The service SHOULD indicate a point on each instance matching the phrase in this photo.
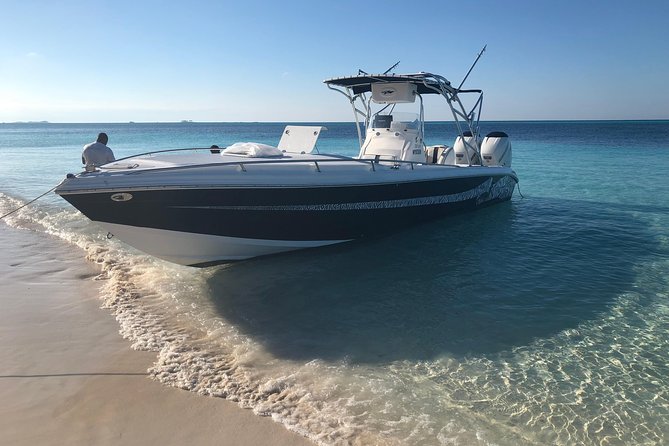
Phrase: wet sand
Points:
(68, 377)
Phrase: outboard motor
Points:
(461, 149)
(439, 155)
(447, 156)
(496, 149)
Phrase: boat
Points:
(206, 206)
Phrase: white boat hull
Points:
(193, 249)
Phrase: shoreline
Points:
(68, 377)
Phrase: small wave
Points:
(155, 304)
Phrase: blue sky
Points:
(118, 61)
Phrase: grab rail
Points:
(324, 158)
(164, 151)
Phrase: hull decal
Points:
(483, 189)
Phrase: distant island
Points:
(27, 122)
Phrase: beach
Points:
(68, 377)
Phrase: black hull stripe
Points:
(383, 204)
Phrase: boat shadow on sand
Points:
(471, 284)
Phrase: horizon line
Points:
(316, 122)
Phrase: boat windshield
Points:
(410, 120)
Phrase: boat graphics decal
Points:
(484, 192)
(124, 196)
(501, 189)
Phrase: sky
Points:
(248, 60)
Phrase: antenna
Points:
(472, 67)
(361, 72)
(390, 69)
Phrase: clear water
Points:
(544, 320)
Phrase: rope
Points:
(31, 201)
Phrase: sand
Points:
(68, 377)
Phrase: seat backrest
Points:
(300, 138)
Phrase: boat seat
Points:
(300, 138)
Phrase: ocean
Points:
(543, 320)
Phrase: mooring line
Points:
(26, 204)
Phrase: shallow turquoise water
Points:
(544, 320)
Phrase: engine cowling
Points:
(466, 153)
(439, 155)
(496, 149)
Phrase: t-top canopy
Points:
(426, 83)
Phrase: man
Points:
(97, 153)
